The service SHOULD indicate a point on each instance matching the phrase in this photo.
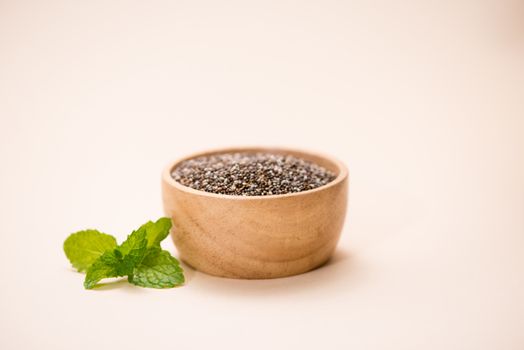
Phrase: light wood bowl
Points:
(256, 237)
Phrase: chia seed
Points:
(251, 174)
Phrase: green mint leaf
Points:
(157, 231)
(132, 251)
(104, 267)
(158, 270)
(84, 247)
(121, 261)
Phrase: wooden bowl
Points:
(255, 237)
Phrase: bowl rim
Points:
(343, 172)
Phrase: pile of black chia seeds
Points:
(251, 174)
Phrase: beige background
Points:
(424, 100)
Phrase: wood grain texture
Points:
(260, 236)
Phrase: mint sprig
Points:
(140, 257)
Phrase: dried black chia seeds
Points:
(251, 174)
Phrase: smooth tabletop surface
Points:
(423, 100)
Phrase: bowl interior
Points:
(325, 161)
